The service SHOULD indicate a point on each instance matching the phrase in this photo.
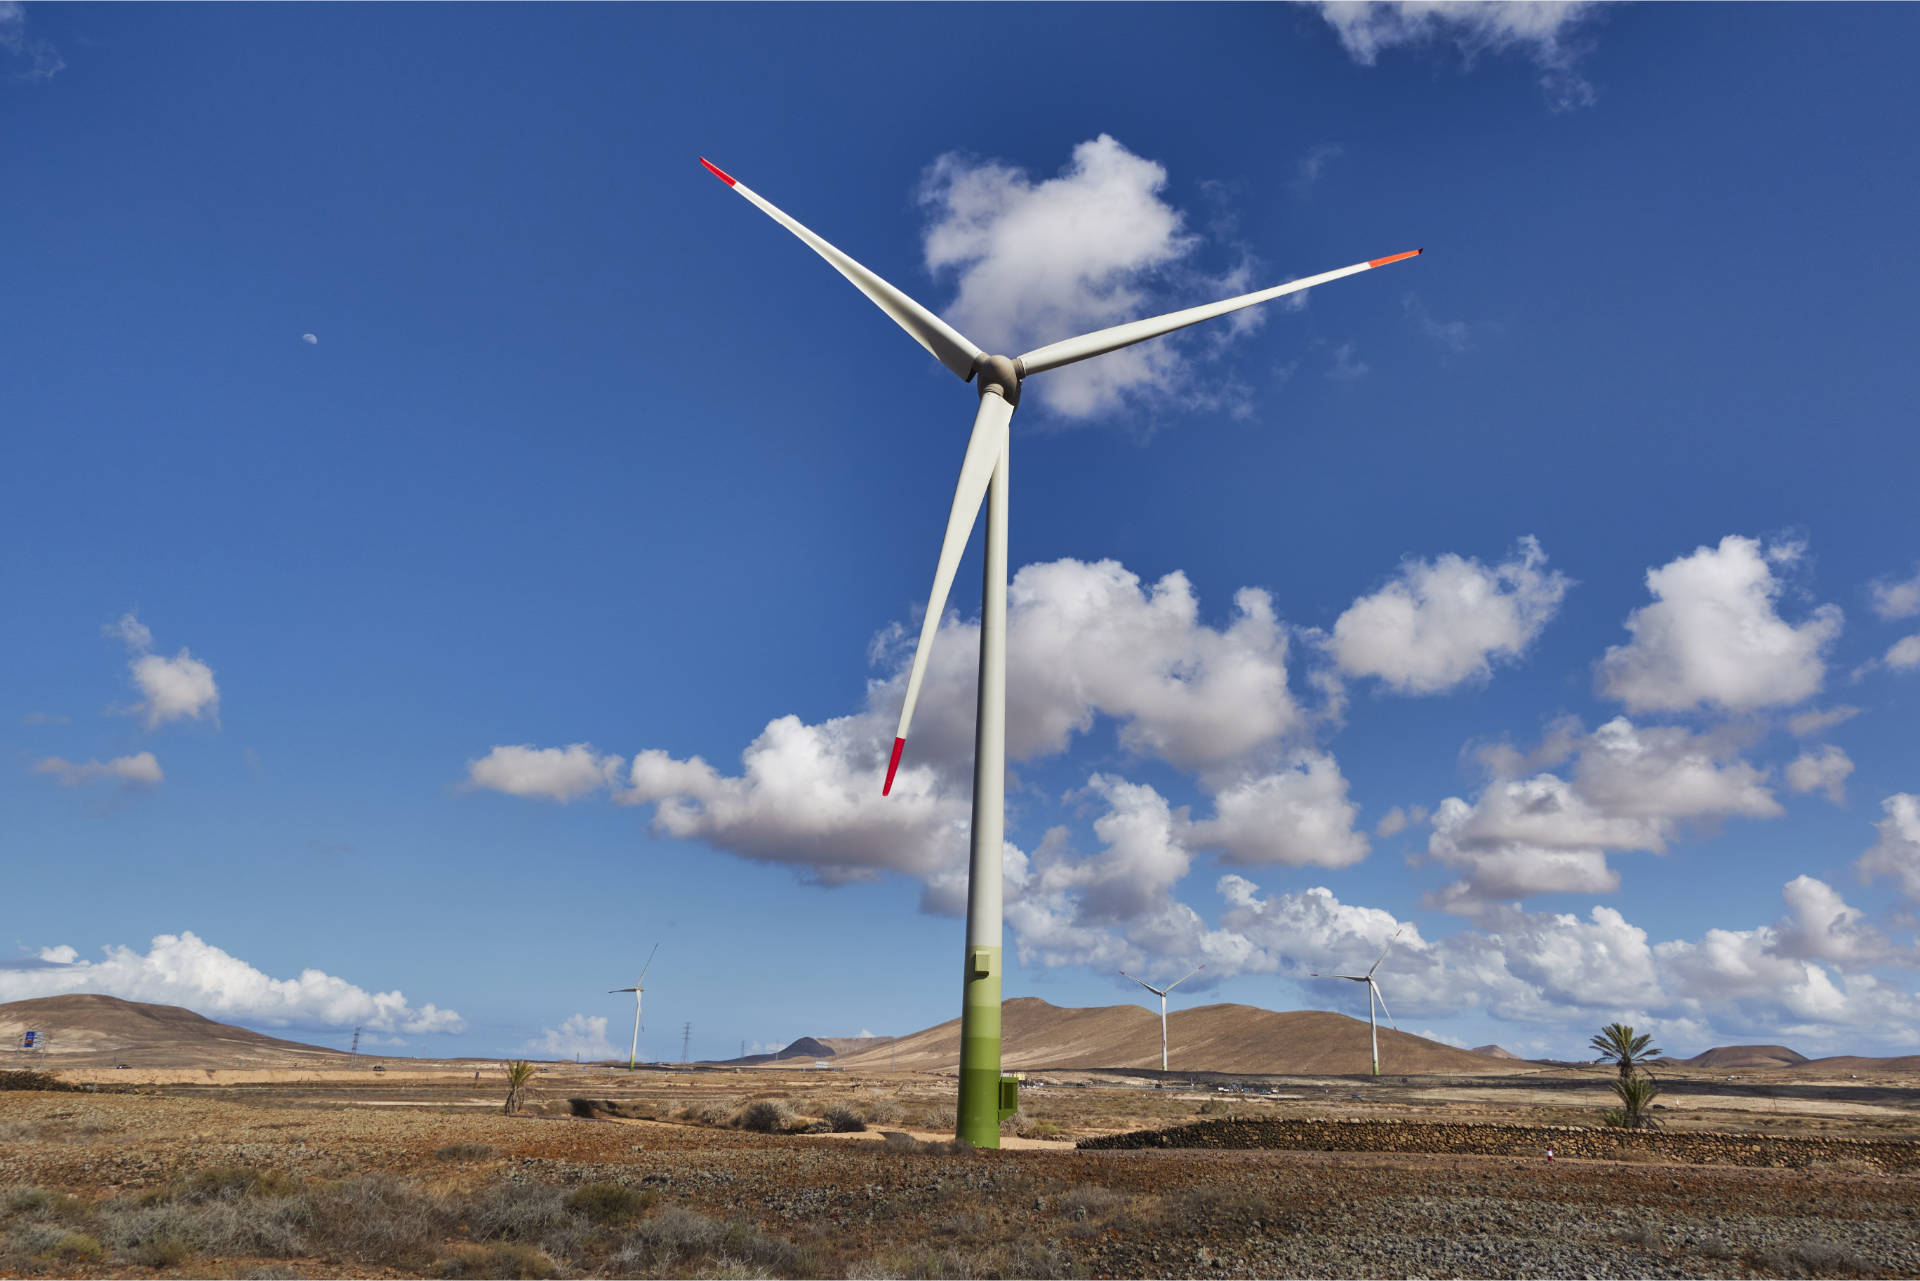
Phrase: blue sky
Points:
(453, 543)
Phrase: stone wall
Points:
(1682, 1147)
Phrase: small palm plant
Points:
(1636, 1095)
(519, 1072)
(1616, 1043)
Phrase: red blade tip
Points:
(893, 765)
(717, 171)
(1376, 262)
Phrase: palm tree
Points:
(519, 1072)
(1616, 1043)
(1636, 1095)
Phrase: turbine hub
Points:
(1000, 374)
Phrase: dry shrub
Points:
(669, 1241)
(611, 1202)
(845, 1120)
(1010, 1259)
(522, 1262)
(230, 1182)
(881, 1111)
(1029, 1127)
(707, 1113)
(466, 1152)
(71, 1248)
(41, 1203)
(516, 1211)
(1215, 1107)
(1086, 1201)
(374, 1219)
(1210, 1203)
(765, 1116)
(161, 1227)
(1815, 1259)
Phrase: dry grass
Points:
(379, 1223)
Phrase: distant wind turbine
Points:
(633, 1054)
(1161, 992)
(1373, 994)
(984, 474)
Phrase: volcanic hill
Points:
(85, 1030)
(1036, 1034)
(1749, 1057)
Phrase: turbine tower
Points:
(1161, 992)
(633, 1054)
(1373, 994)
(984, 475)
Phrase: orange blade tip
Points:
(1377, 262)
(893, 765)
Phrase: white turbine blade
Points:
(1183, 978)
(647, 966)
(1143, 983)
(612, 990)
(1383, 952)
(1383, 1005)
(1054, 355)
(946, 343)
(984, 451)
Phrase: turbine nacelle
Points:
(999, 374)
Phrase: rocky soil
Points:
(726, 1203)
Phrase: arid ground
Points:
(414, 1171)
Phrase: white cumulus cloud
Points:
(1819, 720)
(1299, 816)
(1399, 819)
(1542, 33)
(1713, 636)
(1819, 925)
(1904, 655)
(177, 688)
(138, 770)
(1825, 769)
(554, 773)
(579, 1036)
(182, 969)
(1896, 855)
(1897, 598)
(1036, 261)
(1444, 622)
(1632, 788)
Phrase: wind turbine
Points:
(633, 1054)
(984, 480)
(1373, 994)
(1161, 992)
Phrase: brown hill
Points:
(851, 1044)
(1495, 1051)
(809, 1047)
(1750, 1057)
(1213, 1038)
(85, 1030)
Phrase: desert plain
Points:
(247, 1159)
